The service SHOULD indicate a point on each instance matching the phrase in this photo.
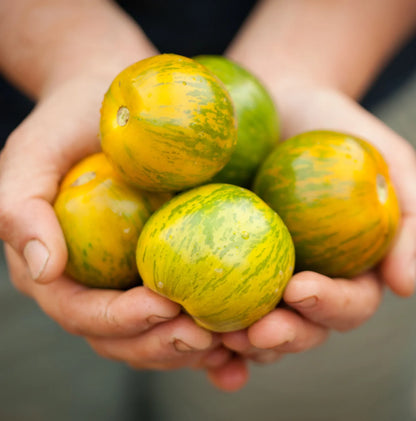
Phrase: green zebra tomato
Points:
(220, 252)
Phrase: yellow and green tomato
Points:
(167, 123)
(101, 218)
(334, 193)
(257, 120)
(220, 252)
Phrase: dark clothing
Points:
(191, 27)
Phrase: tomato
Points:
(167, 123)
(101, 217)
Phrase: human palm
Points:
(148, 331)
(316, 304)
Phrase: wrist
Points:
(297, 99)
(99, 69)
(42, 45)
(341, 46)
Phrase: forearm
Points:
(342, 44)
(44, 43)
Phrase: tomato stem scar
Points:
(123, 115)
(381, 188)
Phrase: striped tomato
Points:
(220, 252)
(167, 123)
(334, 193)
(257, 120)
(101, 218)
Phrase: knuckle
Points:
(108, 317)
(6, 212)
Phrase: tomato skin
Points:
(101, 218)
(167, 123)
(220, 252)
(258, 122)
(335, 195)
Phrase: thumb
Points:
(31, 228)
(60, 131)
(28, 185)
(399, 266)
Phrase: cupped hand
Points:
(155, 334)
(319, 108)
(137, 326)
(315, 304)
(60, 130)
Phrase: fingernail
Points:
(305, 303)
(182, 346)
(197, 342)
(37, 256)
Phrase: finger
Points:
(398, 269)
(170, 345)
(237, 341)
(334, 303)
(93, 312)
(106, 313)
(338, 112)
(27, 220)
(284, 331)
(262, 356)
(279, 332)
(31, 228)
(230, 377)
(215, 358)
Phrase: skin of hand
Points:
(324, 97)
(67, 73)
(137, 326)
(317, 304)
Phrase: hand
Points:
(68, 58)
(311, 108)
(136, 326)
(316, 304)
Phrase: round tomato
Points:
(257, 120)
(101, 218)
(167, 123)
(335, 195)
(220, 252)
